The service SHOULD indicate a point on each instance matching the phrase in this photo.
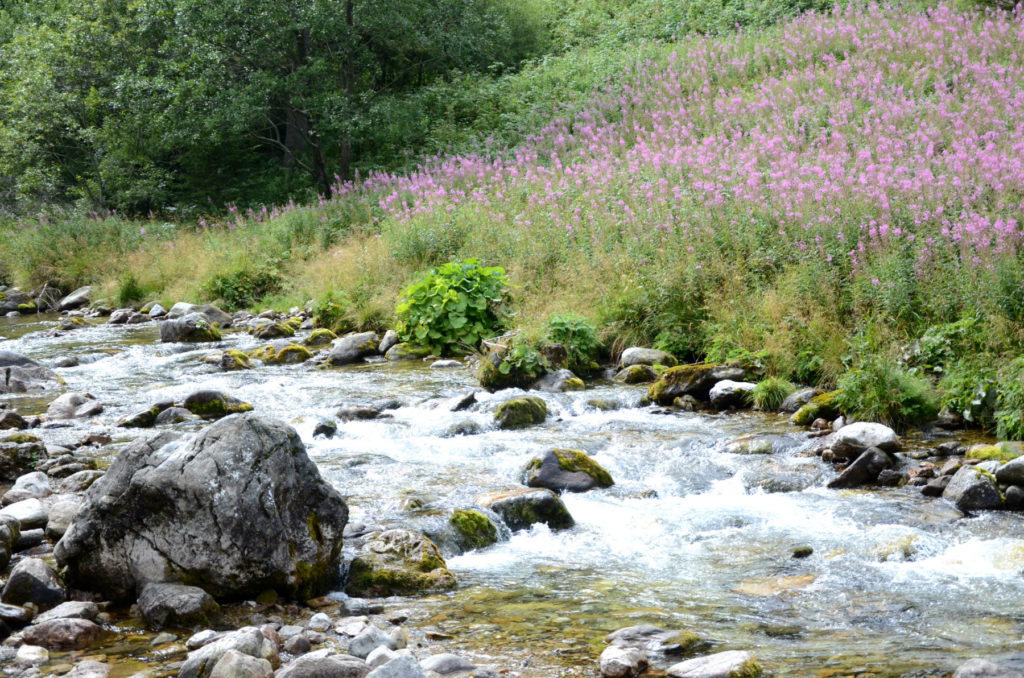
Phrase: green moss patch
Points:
(521, 412)
(824, 406)
(473, 529)
(575, 461)
(214, 404)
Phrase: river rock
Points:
(473, 530)
(356, 412)
(157, 311)
(521, 412)
(177, 605)
(731, 664)
(76, 299)
(566, 470)
(79, 481)
(74, 406)
(234, 664)
(33, 581)
(120, 316)
(32, 655)
(651, 639)
(18, 374)
(398, 562)
(1012, 472)
(35, 485)
(145, 418)
(864, 469)
(268, 331)
(89, 669)
(728, 393)
(12, 421)
(10, 533)
(324, 664)
(173, 415)
(446, 664)
(214, 404)
(168, 511)
(63, 634)
(693, 380)
(14, 301)
(559, 381)
(622, 662)
(297, 645)
(520, 509)
(352, 348)
(192, 328)
(31, 514)
(390, 339)
(405, 351)
(822, 406)
(368, 641)
(180, 310)
(636, 374)
(982, 668)
(794, 401)
(972, 489)
(636, 355)
(15, 616)
(18, 455)
(215, 315)
(852, 439)
(403, 666)
(72, 609)
(248, 641)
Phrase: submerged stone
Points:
(520, 509)
(566, 470)
(398, 562)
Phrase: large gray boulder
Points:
(18, 374)
(973, 489)
(728, 393)
(33, 581)
(622, 662)
(352, 348)
(76, 299)
(236, 509)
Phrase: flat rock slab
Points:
(63, 634)
(731, 664)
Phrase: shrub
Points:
(1009, 414)
(879, 390)
(333, 311)
(454, 305)
(577, 335)
(970, 392)
(942, 345)
(129, 290)
(769, 393)
(244, 287)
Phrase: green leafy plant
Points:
(942, 345)
(454, 306)
(244, 287)
(880, 390)
(525, 363)
(129, 290)
(333, 311)
(577, 335)
(1009, 414)
(971, 393)
(769, 393)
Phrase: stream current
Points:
(897, 585)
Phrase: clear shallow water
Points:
(898, 585)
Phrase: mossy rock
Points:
(694, 380)
(636, 374)
(319, 337)
(574, 384)
(294, 322)
(233, 359)
(521, 412)
(398, 563)
(146, 418)
(520, 509)
(21, 439)
(490, 375)
(750, 445)
(604, 405)
(286, 354)
(566, 470)
(214, 404)
(473, 530)
(823, 406)
(1003, 451)
(274, 331)
(29, 307)
(406, 351)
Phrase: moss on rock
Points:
(1003, 451)
(398, 562)
(214, 404)
(21, 438)
(473, 530)
(823, 406)
(521, 412)
(521, 508)
(406, 351)
(575, 461)
(319, 337)
(694, 380)
(233, 359)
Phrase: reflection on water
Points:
(897, 585)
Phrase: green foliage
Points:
(769, 393)
(878, 389)
(333, 311)
(942, 345)
(1009, 414)
(972, 393)
(244, 287)
(129, 290)
(668, 314)
(524, 363)
(454, 306)
(577, 335)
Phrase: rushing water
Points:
(898, 585)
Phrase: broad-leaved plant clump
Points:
(577, 335)
(454, 306)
